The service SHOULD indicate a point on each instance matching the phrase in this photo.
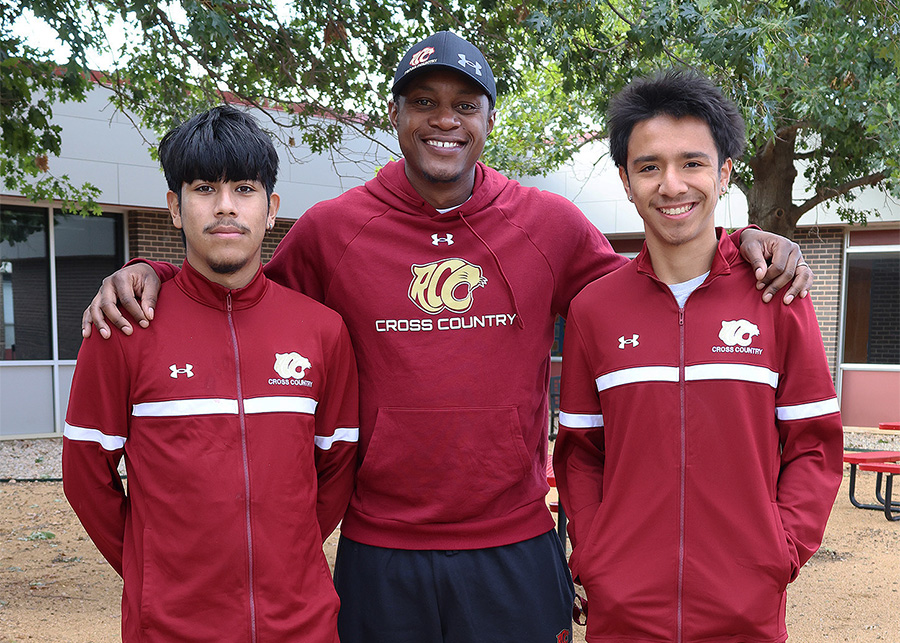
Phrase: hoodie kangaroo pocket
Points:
(442, 465)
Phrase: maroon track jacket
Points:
(236, 412)
(699, 454)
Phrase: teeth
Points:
(442, 143)
(675, 211)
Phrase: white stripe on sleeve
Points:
(108, 442)
(580, 421)
(806, 411)
(325, 442)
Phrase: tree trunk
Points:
(769, 200)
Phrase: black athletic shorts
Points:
(519, 593)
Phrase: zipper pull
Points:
(681, 316)
(228, 301)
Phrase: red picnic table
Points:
(883, 463)
(889, 470)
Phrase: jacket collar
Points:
(204, 291)
(727, 254)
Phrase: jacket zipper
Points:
(682, 482)
(246, 462)
(682, 393)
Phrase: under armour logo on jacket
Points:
(435, 239)
(632, 342)
(463, 62)
(187, 370)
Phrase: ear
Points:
(725, 175)
(492, 117)
(174, 208)
(393, 112)
(623, 175)
(274, 204)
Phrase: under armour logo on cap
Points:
(463, 62)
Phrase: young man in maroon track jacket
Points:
(700, 445)
(450, 277)
(236, 414)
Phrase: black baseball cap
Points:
(446, 49)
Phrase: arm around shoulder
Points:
(135, 287)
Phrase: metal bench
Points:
(888, 470)
(858, 459)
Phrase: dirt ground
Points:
(56, 588)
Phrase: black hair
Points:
(221, 144)
(676, 93)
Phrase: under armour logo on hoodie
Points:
(187, 370)
(436, 240)
(628, 342)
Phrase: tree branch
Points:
(619, 14)
(825, 193)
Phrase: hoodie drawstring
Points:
(509, 287)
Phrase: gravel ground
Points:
(40, 459)
(56, 588)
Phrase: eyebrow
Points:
(686, 155)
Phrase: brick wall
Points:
(151, 235)
(823, 250)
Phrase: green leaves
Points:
(824, 74)
(30, 84)
(825, 71)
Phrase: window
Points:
(872, 309)
(87, 250)
(50, 268)
(25, 275)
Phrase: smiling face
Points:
(224, 223)
(442, 120)
(674, 178)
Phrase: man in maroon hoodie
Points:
(450, 277)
